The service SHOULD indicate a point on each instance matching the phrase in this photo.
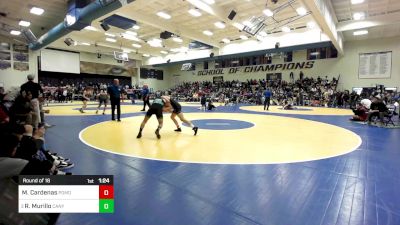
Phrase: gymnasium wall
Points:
(346, 66)
(12, 77)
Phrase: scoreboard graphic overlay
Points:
(66, 194)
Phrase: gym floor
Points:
(246, 166)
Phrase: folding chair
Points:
(388, 118)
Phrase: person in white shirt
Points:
(366, 103)
(397, 110)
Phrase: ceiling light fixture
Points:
(24, 23)
(70, 19)
(155, 42)
(37, 11)
(359, 16)
(130, 37)
(243, 37)
(360, 32)
(15, 32)
(238, 26)
(208, 33)
(136, 45)
(181, 49)
(195, 12)
(286, 29)
(301, 11)
(220, 25)
(311, 24)
(177, 39)
(128, 32)
(85, 43)
(164, 15)
(210, 2)
(260, 38)
(247, 23)
(90, 28)
(111, 40)
(136, 27)
(164, 52)
(146, 55)
(226, 40)
(263, 33)
(355, 2)
(110, 35)
(268, 12)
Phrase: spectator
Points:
(360, 113)
(10, 166)
(21, 111)
(378, 108)
(366, 103)
(35, 89)
(210, 106)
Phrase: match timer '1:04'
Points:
(66, 194)
(104, 180)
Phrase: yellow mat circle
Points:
(302, 110)
(273, 139)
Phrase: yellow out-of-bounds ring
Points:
(273, 139)
(301, 110)
(72, 110)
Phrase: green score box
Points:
(106, 205)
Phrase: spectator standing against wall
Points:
(35, 89)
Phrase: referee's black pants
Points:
(146, 101)
(115, 102)
(266, 102)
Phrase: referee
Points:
(115, 97)
(267, 96)
(145, 97)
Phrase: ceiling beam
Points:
(324, 16)
(382, 20)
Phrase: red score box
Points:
(106, 192)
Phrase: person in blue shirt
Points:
(115, 97)
(267, 96)
(145, 97)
